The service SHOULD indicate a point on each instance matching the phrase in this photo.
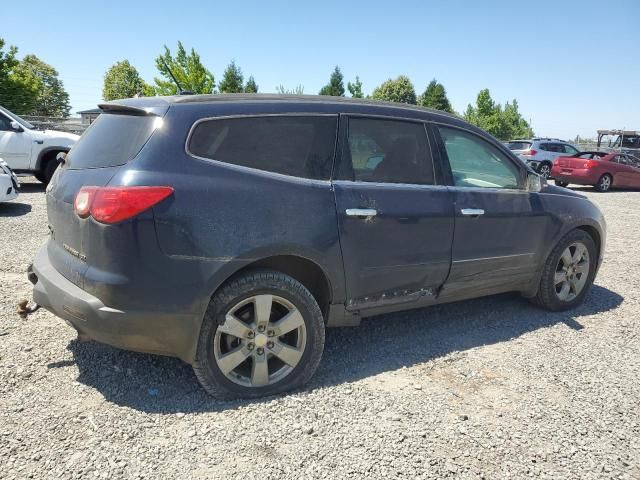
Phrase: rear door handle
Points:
(361, 212)
(472, 212)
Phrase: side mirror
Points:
(16, 127)
(535, 182)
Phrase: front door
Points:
(395, 224)
(15, 147)
(500, 227)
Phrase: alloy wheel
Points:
(605, 183)
(544, 170)
(572, 272)
(261, 341)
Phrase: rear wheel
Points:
(568, 272)
(544, 170)
(263, 334)
(604, 183)
(561, 184)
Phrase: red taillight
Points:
(83, 201)
(530, 152)
(590, 164)
(115, 204)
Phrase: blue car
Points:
(231, 230)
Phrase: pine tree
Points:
(335, 87)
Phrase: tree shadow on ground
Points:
(156, 384)
(14, 209)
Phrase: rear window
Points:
(519, 145)
(111, 140)
(300, 146)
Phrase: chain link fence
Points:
(70, 124)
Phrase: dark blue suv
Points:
(231, 230)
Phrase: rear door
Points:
(500, 227)
(395, 223)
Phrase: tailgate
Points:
(109, 143)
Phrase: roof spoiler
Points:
(126, 109)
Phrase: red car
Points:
(603, 170)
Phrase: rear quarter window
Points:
(111, 140)
(519, 145)
(295, 145)
(299, 146)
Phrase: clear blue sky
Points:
(573, 66)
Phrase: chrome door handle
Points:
(361, 212)
(472, 212)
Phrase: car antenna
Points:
(180, 90)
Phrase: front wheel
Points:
(604, 183)
(262, 334)
(568, 272)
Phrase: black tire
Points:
(40, 177)
(604, 183)
(244, 286)
(561, 184)
(544, 169)
(49, 169)
(546, 296)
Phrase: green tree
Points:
(435, 96)
(299, 90)
(17, 93)
(355, 88)
(251, 85)
(188, 70)
(399, 90)
(335, 87)
(122, 80)
(52, 100)
(232, 79)
(504, 123)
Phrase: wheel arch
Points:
(303, 269)
(46, 153)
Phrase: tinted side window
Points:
(476, 163)
(546, 147)
(569, 149)
(300, 146)
(389, 151)
(5, 123)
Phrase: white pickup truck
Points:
(28, 150)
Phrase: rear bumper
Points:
(576, 175)
(164, 333)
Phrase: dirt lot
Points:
(491, 388)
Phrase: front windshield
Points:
(15, 117)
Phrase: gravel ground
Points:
(490, 388)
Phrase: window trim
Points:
(510, 156)
(344, 156)
(244, 168)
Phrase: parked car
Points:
(601, 169)
(28, 150)
(231, 230)
(9, 185)
(539, 153)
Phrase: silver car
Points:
(539, 153)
